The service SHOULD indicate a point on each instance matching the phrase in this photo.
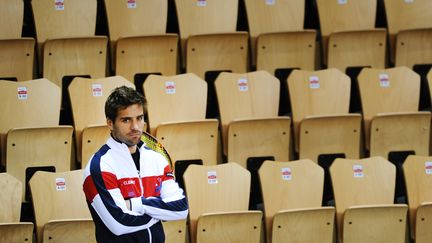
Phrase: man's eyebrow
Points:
(129, 117)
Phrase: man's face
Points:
(128, 125)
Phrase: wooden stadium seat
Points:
(33, 138)
(176, 115)
(364, 194)
(218, 210)
(418, 177)
(60, 208)
(278, 39)
(34, 103)
(49, 147)
(293, 193)
(17, 98)
(67, 45)
(16, 52)
(320, 110)
(11, 229)
(349, 36)
(88, 98)
(394, 128)
(209, 41)
(410, 31)
(248, 105)
(142, 48)
(392, 122)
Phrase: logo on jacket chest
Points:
(128, 182)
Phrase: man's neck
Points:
(132, 149)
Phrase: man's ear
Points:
(110, 124)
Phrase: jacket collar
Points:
(117, 145)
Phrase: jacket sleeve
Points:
(171, 205)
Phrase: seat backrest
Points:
(60, 19)
(10, 198)
(206, 16)
(123, 17)
(418, 179)
(176, 98)
(274, 16)
(388, 90)
(405, 15)
(290, 185)
(11, 17)
(88, 98)
(29, 103)
(246, 95)
(325, 92)
(343, 15)
(58, 196)
(34, 103)
(362, 182)
(213, 189)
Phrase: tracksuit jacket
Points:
(111, 177)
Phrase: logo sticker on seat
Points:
(212, 177)
(384, 80)
(22, 93)
(170, 87)
(286, 174)
(428, 167)
(131, 4)
(202, 3)
(243, 84)
(270, 2)
(314, 82)
(358, 171)
(59, 5)
(97, 90)
(60, 184)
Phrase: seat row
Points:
(67, 45)
(390, 100)
(249, 128)
(293, 191)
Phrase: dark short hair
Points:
(121, 98)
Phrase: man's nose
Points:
(134, 124)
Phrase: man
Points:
(130, 188)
